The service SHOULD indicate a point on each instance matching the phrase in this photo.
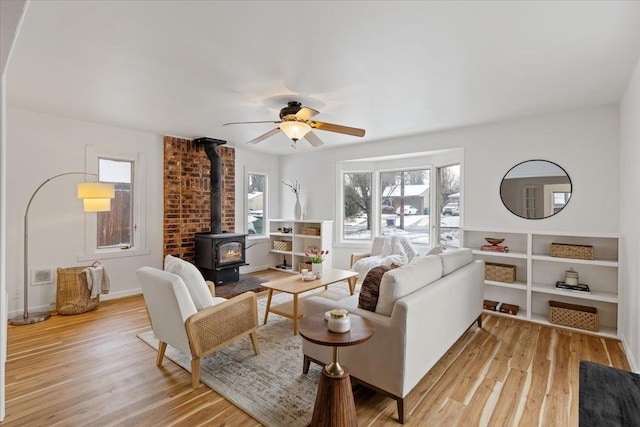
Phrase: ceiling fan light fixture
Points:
(295, 130)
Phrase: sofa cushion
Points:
(191, 277)
(454, 259)
(370, 289)
(436, 250)
(402, 281)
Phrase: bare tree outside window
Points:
(256, 196)
(449, 192)
(357, 206)
(405, 204)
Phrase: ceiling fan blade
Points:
(244, 123)
(313, 139)
(265, 136)
(305, 113)
(337, 128)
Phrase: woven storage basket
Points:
(500, 272)
(564, 250)
(72, 294)
(304, 265)
(282, 245)
(576, 316)
(310, 231)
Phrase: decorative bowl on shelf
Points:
(493, 241)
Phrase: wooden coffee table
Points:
(295, 286)
(334, 402)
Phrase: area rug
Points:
(608, 396)
(270, 387)
(246, 283)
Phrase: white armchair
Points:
(176, 321)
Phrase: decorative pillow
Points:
(407, 279)
(371, 287)
(191, 277)
(454, 259)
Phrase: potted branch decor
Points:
(294, 186)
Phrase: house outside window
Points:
(256, 197)
(415, 196)
(405, 201)
(449, 200)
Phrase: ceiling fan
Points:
(295, 123)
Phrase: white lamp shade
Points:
(96, 190)
(97, 205)
(295, 130)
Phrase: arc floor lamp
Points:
(96, 197)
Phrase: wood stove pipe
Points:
(210, 145)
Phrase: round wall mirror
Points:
(535, 189)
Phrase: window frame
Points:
(374, 198)
(132, 219)
(265, 205)
(91, 251)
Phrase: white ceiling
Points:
(394, 68)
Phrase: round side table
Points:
(334, 402)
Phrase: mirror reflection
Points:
(535, 189)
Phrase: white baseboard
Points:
(52, 306)
(245, 270)
(630, 356)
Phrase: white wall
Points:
(40, 146)
(584, 142)
(249, 161)
(630, 214)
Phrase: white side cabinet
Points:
(300, 241)
(537, 273)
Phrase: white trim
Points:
(139, 247)
(265, 204)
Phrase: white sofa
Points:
(422, 309)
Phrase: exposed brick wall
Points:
(187, 194)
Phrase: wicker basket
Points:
(310, 231)
(304, 265)
(72, 294)
(282, 245)
(500, 272)
(564, 250)
(576, 316)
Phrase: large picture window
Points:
(256, 197)
(404, 197)
(115, 227)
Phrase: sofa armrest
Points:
(212, 287)
(220, 324)
(358, 256)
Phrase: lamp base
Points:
(30, 318)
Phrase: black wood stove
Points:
(218, 255)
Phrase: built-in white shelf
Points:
(538, 271)
(300, 242)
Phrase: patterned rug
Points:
(270, 387)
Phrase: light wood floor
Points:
(91, 369)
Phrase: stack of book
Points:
(583, 289)
(494, 248)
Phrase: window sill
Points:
(254, 237)
(119, 253)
